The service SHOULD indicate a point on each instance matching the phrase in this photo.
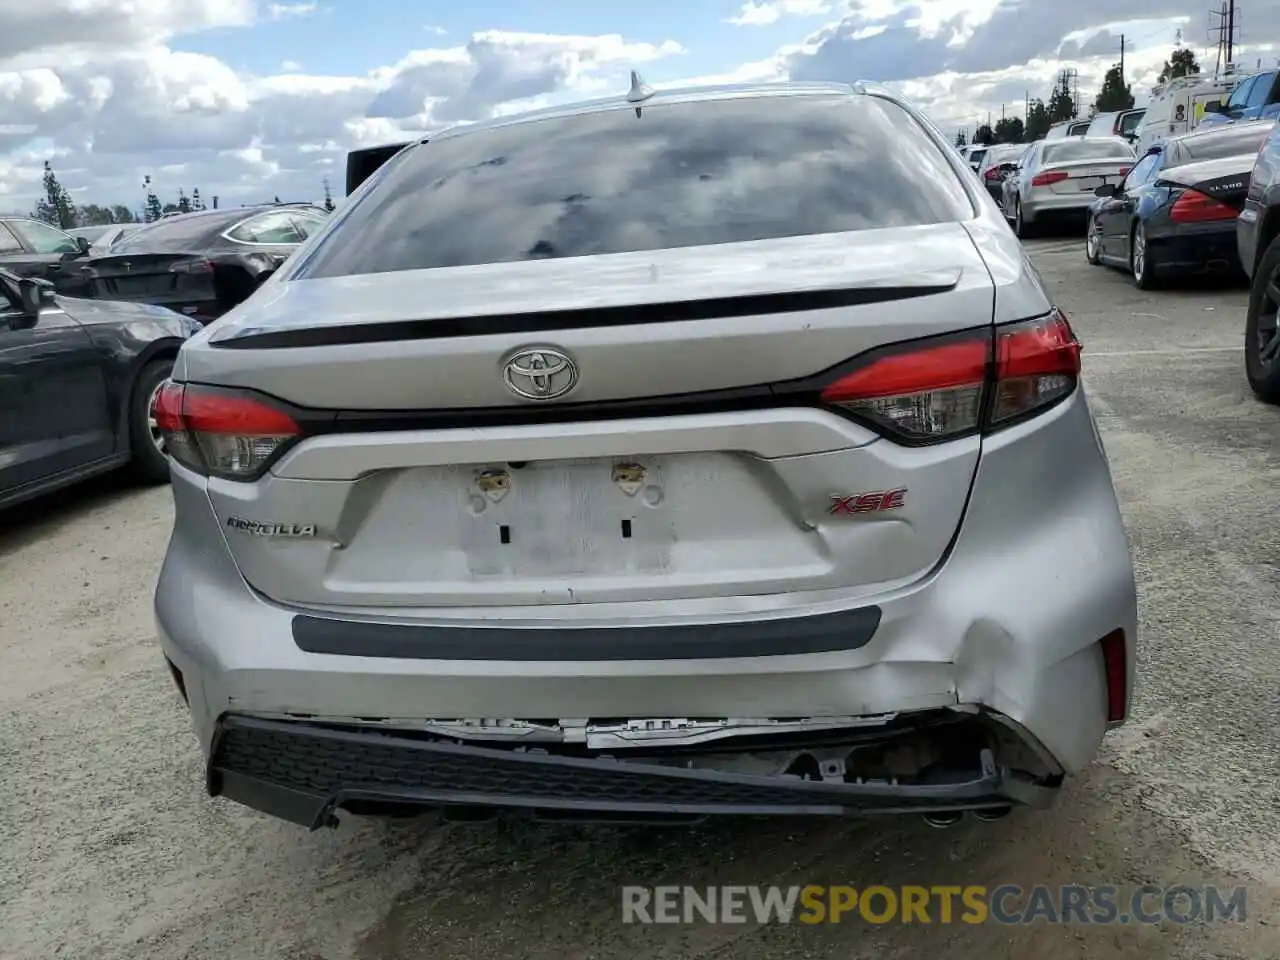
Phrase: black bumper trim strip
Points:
(821, 633)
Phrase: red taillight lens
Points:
(222, 433)
(1196, 207)
(1049, 177)
(1115, 662)
(992, 174)
(930, 393)
(1123, 171)
(1036, 365)
(955, 385)
(191, 266)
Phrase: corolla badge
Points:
(539, 373)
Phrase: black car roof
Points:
(196, 229)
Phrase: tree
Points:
(328, 194)
(1038, 121)
(184, 202)
(92, 215)
(196, 202)
(1182, 63)
(122, 214)
(152, 209)
(984, 135)
(56, 207)
(1061, 105)
(1115, 93)
(961, 139)
(1009, 130)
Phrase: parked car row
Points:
(199, 264)
(90, 323)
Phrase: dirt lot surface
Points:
(110, 849)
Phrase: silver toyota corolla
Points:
(683, 453)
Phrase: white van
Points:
(1067, 128)
(1178, 106)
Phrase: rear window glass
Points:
(680, 174)
(1227, 143)
(1070, 150)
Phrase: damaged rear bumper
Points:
(304, 772)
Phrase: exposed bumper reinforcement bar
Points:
(303, 773)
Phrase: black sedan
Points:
(77, 382)
(1175, 211)
(199, 264)
(31, 248)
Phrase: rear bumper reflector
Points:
(823, 633)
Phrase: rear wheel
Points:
(1140, 264)
(150, 462)
(1093, 242)
(1020, 226)
(1262, 330)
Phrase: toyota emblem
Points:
(539, 373)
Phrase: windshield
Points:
(1071, 150)
(681, 174)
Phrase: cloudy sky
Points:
(249, 99)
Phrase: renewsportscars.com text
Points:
(1006, 904)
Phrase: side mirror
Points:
(1213, 106)
(36, 294)
(1106, 190)
(83, 244)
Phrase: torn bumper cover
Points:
(304, 771)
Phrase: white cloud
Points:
(761, 14)
(144, 107)
(286, 11)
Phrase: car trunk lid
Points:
(675, 470)
(1081, 176)
(1225, 180)
(180, 281)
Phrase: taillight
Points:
(222, 433)
(1037, 364)
(1123, 171)
(191, 266)
(1049, 177)
(955, 385)
(1196, 207)
(1115, 663)
(992, 174)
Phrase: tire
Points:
(1140, 266)
(1020, 226)
(1261, 324)
(148, 462)
(1092, 242)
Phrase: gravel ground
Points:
(109, 848)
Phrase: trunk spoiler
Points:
(361, 164)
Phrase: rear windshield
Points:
(1229, 142)
(679, 175)
(1070, 150)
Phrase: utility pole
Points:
(1231, 27)
(1122, 59)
